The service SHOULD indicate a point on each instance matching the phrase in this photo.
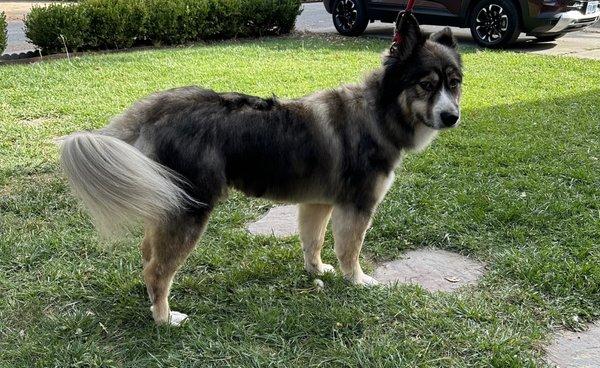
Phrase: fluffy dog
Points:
(172, 156)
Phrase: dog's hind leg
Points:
(312, 221)
(146, 249)
(349, 228)
(170, 245)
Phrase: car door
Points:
(439, 7)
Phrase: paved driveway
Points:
(15, 11)
(17, 42)
(584, 44)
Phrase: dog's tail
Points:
(118, 184)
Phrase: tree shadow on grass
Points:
(515, 186)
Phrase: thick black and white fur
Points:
(170, 158)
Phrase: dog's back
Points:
(177, 148)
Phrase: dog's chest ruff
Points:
(423, 136)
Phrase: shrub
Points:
(56, 26)
(268, 17)
(172, 23)
(2, 32)
(95, 24)
(113, 23)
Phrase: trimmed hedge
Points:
(110, 24)
(56, 26)
(2, 32)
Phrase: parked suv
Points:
(493, 23)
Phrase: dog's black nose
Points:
(448, 119)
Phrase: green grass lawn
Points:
(517, 186)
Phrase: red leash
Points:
(409, 7)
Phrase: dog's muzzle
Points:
(449, 119)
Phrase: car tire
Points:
(494, 23)
(548, 38)
(349, 17)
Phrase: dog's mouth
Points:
(436, 126)
(438, 120)
(441, 124)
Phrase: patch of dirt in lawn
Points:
(17, 184)
(35, 122)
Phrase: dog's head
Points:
(423, 76)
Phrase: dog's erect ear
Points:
(407, 36)
(445, 37)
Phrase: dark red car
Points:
(493, 23)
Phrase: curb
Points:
(19, 55)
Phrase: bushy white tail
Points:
(118, 184)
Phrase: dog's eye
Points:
(454, 83)
(427, 86)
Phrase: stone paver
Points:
(576, 349)
(279, 221)
(433, 269)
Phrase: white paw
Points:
(176, 318)
(364, 280)
(327, 268)
(319, 269)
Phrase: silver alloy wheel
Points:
(491, 23)
(346, 14)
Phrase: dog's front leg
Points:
(313, 219)
(349, 228)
